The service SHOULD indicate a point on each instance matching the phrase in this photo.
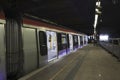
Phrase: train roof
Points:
(37, 22)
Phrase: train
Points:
(41, 43)
(112, 46)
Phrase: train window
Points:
(43, 43)
(75, 40)
(81, 38)
(64, 41)
(115, 42)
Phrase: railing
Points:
(113, 46)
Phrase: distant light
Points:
(98, 11)
(104, 37)
(101, 20)
(98, 3)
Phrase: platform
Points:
(88, 63)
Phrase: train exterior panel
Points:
(2, 53)
(2, 47)
(30, 49)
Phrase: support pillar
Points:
(14, 46)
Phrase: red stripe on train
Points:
(42, 24)
(2, 16)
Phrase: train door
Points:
(51, 45)
(62, 44)
(42, 48)
(71, 42)
(2, 54)
(75, 42)
(30, 49)
(84, 41)
(81, 41)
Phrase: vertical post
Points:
(97, 13)
(14, 47)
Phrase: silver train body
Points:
(113, 46)
(41, 45)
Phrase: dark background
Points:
(73, 14)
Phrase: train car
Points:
(47, 43)
(2, 47)
(42, 42)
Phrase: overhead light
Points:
(98, 3)
(95, 23)
(98, 11)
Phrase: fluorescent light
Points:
(95, 23)
(98, 3)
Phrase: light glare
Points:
(104, 37)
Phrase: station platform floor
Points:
(88, 63)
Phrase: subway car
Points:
(42, 42)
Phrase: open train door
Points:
(51, 45)
(2, 53)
